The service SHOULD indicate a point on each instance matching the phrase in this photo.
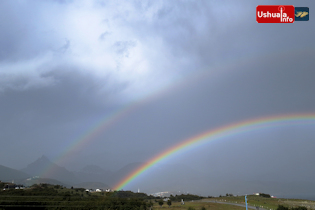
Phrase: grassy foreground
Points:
(267, 203)
(197, 205)
(45, 196)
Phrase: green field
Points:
(197, 205)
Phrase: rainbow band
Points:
(224, 131)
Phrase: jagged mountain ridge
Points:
(54, 171)
(88, 174)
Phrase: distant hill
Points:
(293, 189)
(55, 172)
(9, 174)
(44, 180)
(124, 171)
(94, 169)
(93, 173)
(177, 178)
(92, 185)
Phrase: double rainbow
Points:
(99, 127)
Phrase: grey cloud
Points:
(66, 99)
(122, 47)
(103, 35)
(19, 28)
(63, 1)
(65, 47)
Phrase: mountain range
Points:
(161, 178)
(53, 171)
(8, 174)
(43, 170)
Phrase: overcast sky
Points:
(172, 69)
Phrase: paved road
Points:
(236, 204)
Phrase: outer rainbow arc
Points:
(215, 134)
(98, 128)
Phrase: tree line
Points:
(187, 197)
(280, 207)
(45, 196)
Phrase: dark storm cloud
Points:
(72, 95)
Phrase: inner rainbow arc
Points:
(215, 134)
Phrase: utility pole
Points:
(246, 202)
